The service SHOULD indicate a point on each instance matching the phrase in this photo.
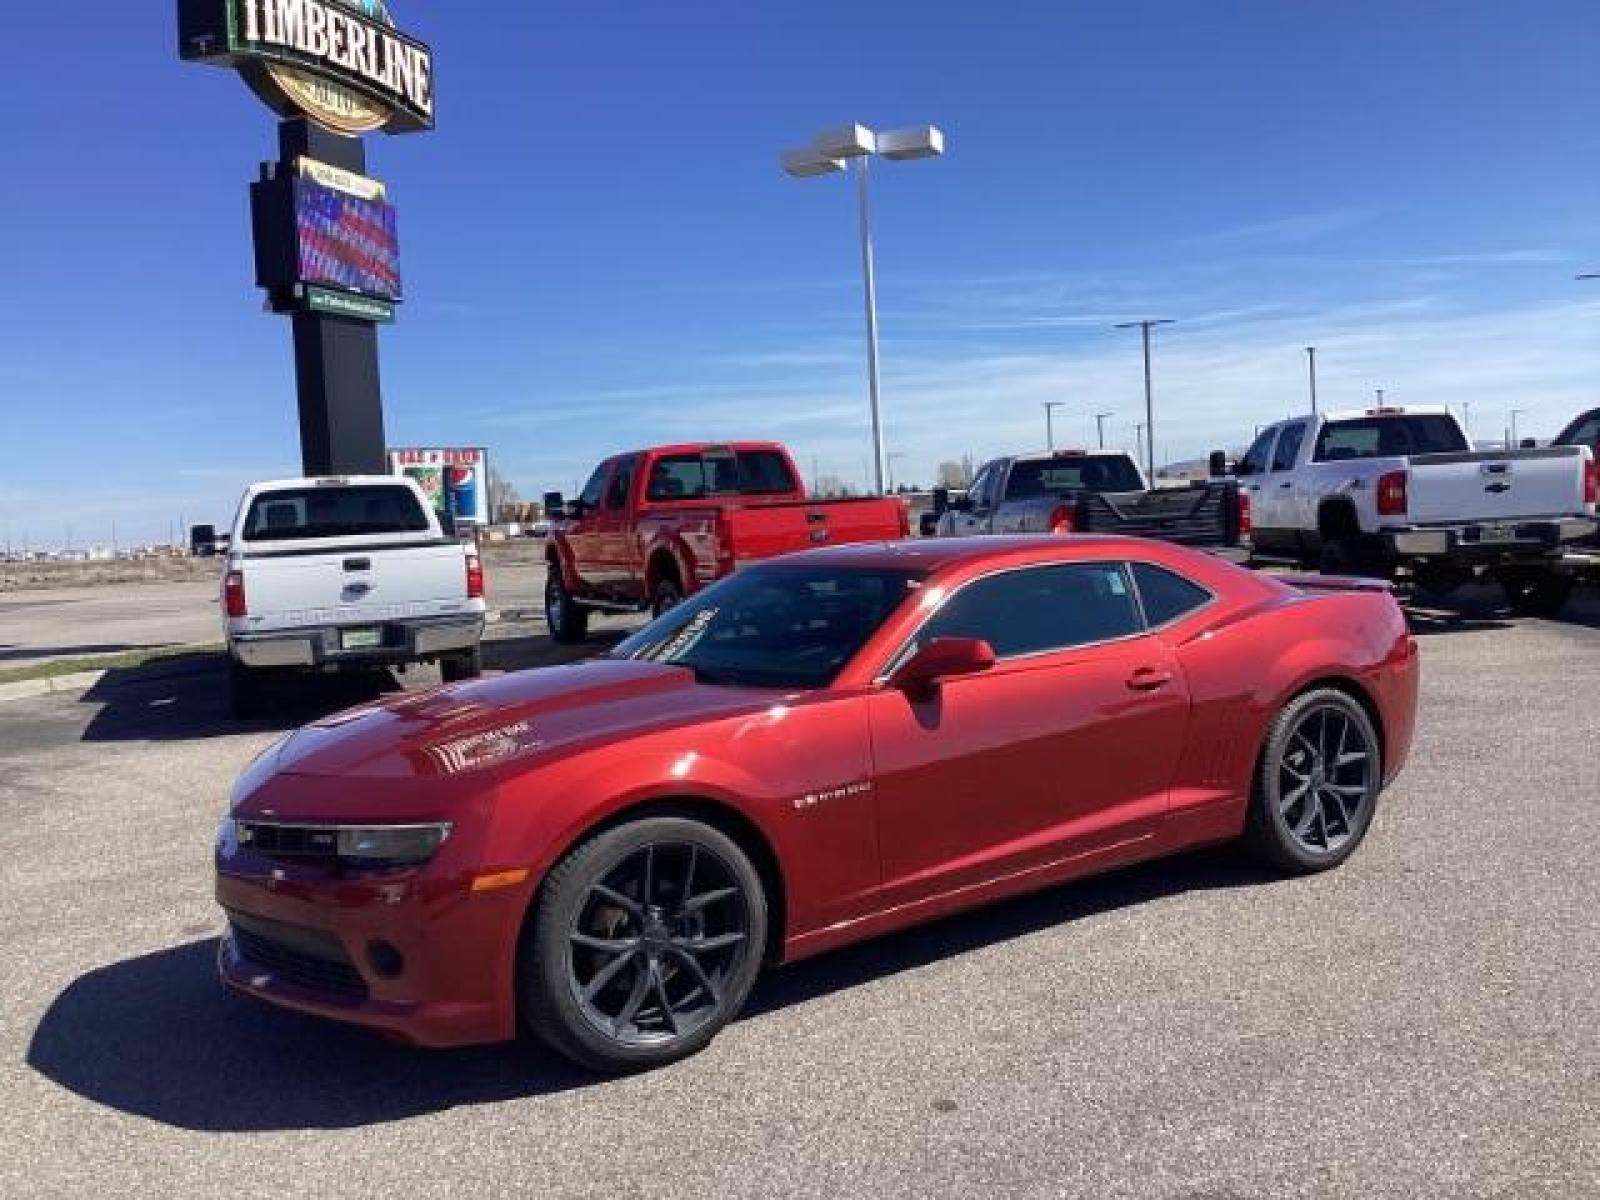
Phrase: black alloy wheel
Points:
(1535, 591)
(1317, 783)
(645, 943)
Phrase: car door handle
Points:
(1286, 485)
(1148, 679)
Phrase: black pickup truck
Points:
(1079, 491)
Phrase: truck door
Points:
(1251, 471)
(977, 515)
(582, 531)
(1276, 505)
(615, 547)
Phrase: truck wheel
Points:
(668, 594)
(247, 691)
(568, 620)
(1347, 556)
(1535, 591)
(462, 666)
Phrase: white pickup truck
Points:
(1375, 491)
(345, 573)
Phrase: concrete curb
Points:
(25, 689)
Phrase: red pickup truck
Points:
(654, 526)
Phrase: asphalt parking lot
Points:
(1420, 1023)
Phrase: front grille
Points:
(290, 841)
(305, 957)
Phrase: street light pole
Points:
(870, 286)
(827, 154)
(1138, 438)
(1100, 427)
(1311, 366)
(1515, 413)
(1050, 407)
(1144, 328)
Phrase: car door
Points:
(1066, 746)
(978, 517)
(1276, 503)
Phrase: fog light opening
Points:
(385, 959)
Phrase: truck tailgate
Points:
(1203, 514)
(763, 530)
(1495, 486)
(355, 584)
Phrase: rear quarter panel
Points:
(1244, 669)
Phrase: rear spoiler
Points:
(1336, 583)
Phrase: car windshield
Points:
(1389, 437)
(320, 512)
(787, 627)
(1072, 473)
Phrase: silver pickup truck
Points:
(1079, 491)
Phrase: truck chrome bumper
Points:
(1487, 539)
(321, 646)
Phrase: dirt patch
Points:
(32, 576)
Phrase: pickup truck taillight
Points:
(1591, 481)
(1244, 514)
(1062, 519)
(474, 577)
(233, 594)
(1392, 494)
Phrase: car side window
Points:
(1585, 433)
(677, 477)
(621, 483)
(1255, 459)
(1166, 595)
(1288, 450)
(1038, 609)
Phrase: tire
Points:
(668, 595)
(457, 667)
(679, 997)
(568, 620)
(1535, 591)
(1307, 751)
(247, 691)
(1347, 555)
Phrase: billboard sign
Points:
(456, 481)
(343, 63)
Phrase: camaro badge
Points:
(812, 799)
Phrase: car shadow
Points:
(185, 698)
(158, 1037)
(1483, 606)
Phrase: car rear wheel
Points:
(1317, 783)
(1535, 592)
(567, 620)
(644, 942)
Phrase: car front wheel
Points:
(567, 620)
(643, 943)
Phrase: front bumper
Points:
(328, 943)
(1486, 541)
(403, 641)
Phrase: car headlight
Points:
(390, 845)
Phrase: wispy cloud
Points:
(1288, 230)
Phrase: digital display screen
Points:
(346, 242)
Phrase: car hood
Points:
(491, 727)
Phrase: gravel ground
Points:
(1419, 1023)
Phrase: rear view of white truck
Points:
(1387, 490)
(345, 573)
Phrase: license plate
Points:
(366, 638)
(1497, 533)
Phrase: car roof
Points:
(327, 481)
(701, 447)
(937, 555)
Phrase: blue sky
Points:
(600, 251)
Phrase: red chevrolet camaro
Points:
(816, 750)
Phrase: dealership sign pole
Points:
(326, 244)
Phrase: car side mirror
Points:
(555, 508)
(1217, 464)
(941, 500)
(1528, 444)
(961, 503)
(941, 659)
